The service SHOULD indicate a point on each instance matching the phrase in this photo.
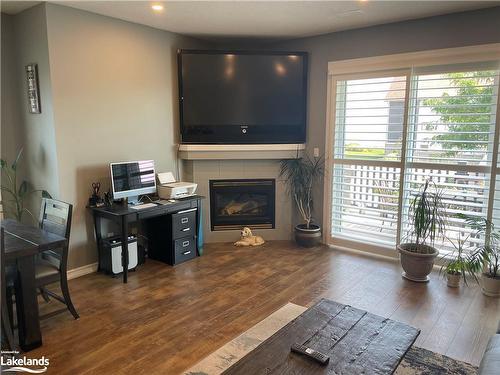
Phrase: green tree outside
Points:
(474, 97)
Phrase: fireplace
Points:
(238, 203)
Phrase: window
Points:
(367, 158)
(393, 131)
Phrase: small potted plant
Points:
(488, 254)
(426, 217)
(301, 175)
(460, 264)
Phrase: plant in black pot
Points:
(488, 254)
(301, 175)
(426, 218)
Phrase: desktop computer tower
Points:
(110, 260)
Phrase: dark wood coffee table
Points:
(356, 341)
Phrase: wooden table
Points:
(356, 341)
(22, 243)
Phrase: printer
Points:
(168, 188)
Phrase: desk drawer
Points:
(183, 224)
(184, 249)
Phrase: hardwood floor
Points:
(166, 319)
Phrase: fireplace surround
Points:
(237, 203)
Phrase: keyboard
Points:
(143, 206)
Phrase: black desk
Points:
(124, 215)
(22, 243)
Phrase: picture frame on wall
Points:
(33, 88)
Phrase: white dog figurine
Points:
(248, 239)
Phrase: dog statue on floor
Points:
(248, 239)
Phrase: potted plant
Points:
(14, 193)
(488, 254)
(300, 175)
(426, 217)
(460, 264)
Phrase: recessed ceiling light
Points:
(157, 7)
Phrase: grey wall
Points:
(108, 93)
(26, 42)
(454, 30)
(115, 98)
(10, 112)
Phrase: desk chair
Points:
(52, 265)
(7, 331)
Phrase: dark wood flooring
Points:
(166, 319)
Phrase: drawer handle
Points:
(185, 243)
(186, 252)
(184, 220)
(186, 229)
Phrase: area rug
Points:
(417, 361)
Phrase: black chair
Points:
(7, 331)
(52, 265)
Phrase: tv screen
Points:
(242, 97)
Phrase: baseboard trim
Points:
(82, 271)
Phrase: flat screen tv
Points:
(239, 97)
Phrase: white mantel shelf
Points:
(238, 152)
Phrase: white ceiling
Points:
(266, 19)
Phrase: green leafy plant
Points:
(300, 176)
(427, 218)
(14, 193)
(489, 252)
(461, 261)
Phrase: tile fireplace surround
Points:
(202, 171)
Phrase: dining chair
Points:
(7, 331)
(52, 265)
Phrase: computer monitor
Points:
(133, 178)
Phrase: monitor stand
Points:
(134, 200)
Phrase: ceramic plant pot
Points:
(417, 265)
(453, 280)
(490, 285)
(308, 237)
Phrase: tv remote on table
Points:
(311, 353)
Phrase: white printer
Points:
(168, 188)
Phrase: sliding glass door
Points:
(392, 131)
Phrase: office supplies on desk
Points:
(95, 200)
(168, 188)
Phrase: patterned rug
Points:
(420, 361)
(417, 361)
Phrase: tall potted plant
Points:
(301, 175)
(426, 218)
(488, 254)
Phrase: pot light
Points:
(157, 7)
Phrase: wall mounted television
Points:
(241, 97)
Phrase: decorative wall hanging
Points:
(33, 89)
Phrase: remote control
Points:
(311, 353)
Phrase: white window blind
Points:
(447, 134)
(369, 122)
(451, 131)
